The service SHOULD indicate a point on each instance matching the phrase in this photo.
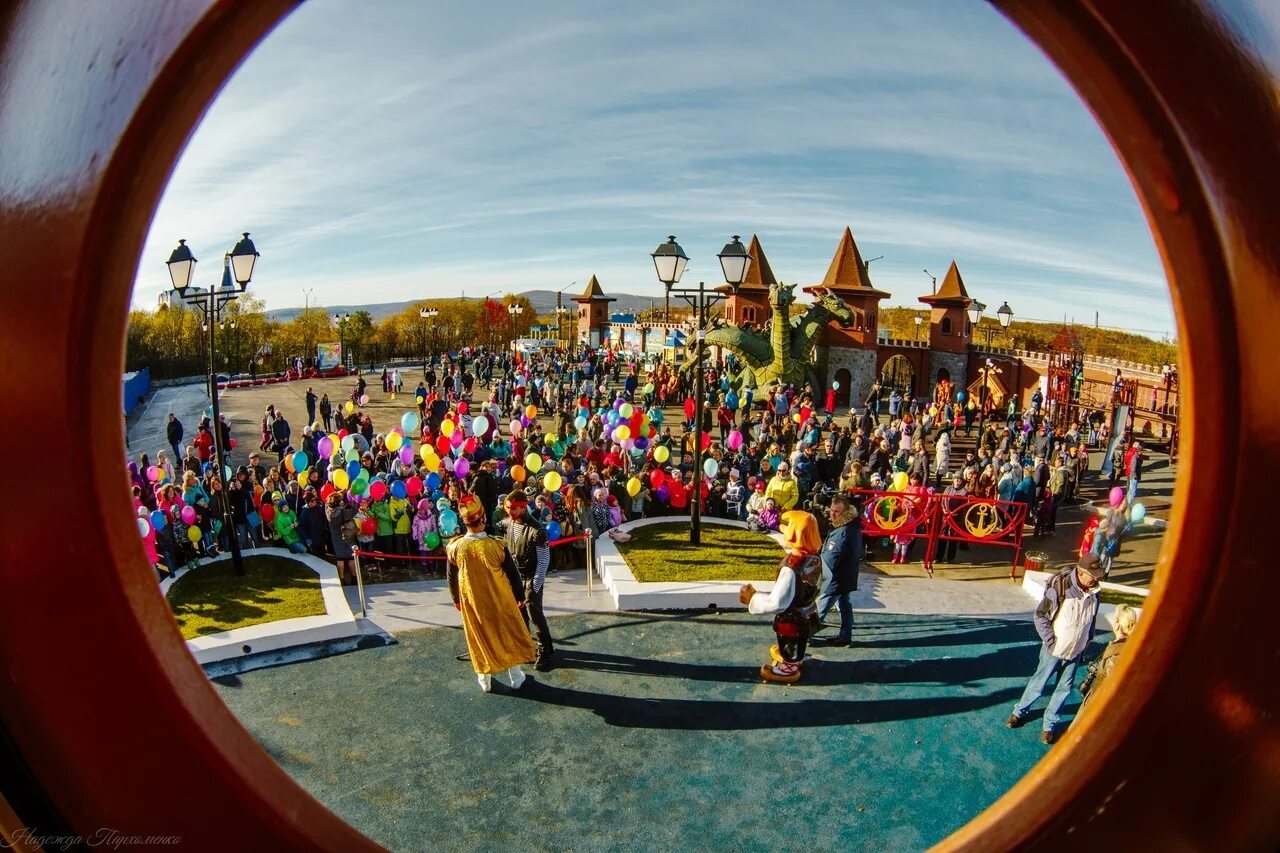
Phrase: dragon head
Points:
(781, 295)
(834, 305)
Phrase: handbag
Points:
(254, 519)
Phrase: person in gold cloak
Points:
(488, 591)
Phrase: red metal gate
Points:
(935, 518)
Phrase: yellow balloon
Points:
(533, 462)
(633, 486)
(431, 462)
(337, 444)
(446, 428)
(530, 411)
(340, 479)
(193, 533)
(351, 407)
(622, 433)
(303, 478)
(899, 481)
(552, 481)
(661, 454)
(426, 452)
(394, 440)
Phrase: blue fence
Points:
(136, 386)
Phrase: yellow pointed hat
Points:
(800, 532)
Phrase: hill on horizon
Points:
(544, 302)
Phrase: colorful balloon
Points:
(1116, 496)
(710, 467)
(188, 515)
(633, 486)
(193, 534)
(461, 467)
(409, 422)
(364, 399)
(479, 426)
(1137, 513)
(530, 411)
(657, 478)
(447, 428)
(661, 454)
(518, 473)
(300, 461)
(552, 481)
(144, 527)
(394, 441)
(431, 541)
(554, 531)
(350, 407)
(341, 479)
(533, 462)
(413, 487)
(398, 490)
(735, 440)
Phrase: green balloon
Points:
(431, 540)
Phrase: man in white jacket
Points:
(1064, 620)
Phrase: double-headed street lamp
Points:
(340, 320)
(238, 263)
(1004, 313)
(426, 315)
(515, 309)
(670, 260)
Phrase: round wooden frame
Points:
(118, 726)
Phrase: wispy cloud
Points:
(386, 151)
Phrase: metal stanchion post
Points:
(364, 612)
(591, 564)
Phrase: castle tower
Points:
(750, 305)
(949, 331)
(593, 314)
(850, 351)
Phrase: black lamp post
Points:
(427, 315)
(918, 320)
(670, 261)
(237, 264)
(340, 320)
(1005, 313)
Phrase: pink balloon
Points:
(188, 515)
(377, 490)
(325, 447)
(456, 439)
(515, 427)
(735, 440)
(153, 473)
(1116, 497)
(461, 467)
(364, 399)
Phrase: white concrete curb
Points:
(630, 594)
(337, 623)
(1033, 583)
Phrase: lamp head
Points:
(243, 257)
(669, 260)
(181, 265)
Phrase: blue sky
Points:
(400, 150)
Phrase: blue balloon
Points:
(398, 490)
(158, 520)
(353, 468)
(641, 443)
(554, 531)
(409, 422)
(433, 481)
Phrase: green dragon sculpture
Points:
(782, 355)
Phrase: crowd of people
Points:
(547, 450)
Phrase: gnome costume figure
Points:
(793, 599)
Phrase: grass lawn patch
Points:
(661, 552)
(212, 599)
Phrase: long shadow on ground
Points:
(655, 732)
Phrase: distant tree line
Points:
(1036, 337)
(172, 342)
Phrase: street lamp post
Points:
(341, 322)
(514, 310)
(670, 260)
(918, 320)
(427, 315)
(238, 263)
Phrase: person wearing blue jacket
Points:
(840, 554)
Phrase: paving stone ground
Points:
(656, 732)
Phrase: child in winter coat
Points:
(735, 496)
(769, 517)
(615, 511)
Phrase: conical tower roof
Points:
(951, 292)
(759, 274)
(593, 293)
(848, 271)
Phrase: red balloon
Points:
(443, 445)
(232, 444)
(463, 407)
(634, 422)
(689, 407)
(706, 440)
(369, 526)
(469, 446)
(326, 490)
(656, 478)
(342, 433)
(413, 486)
(268, 513)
